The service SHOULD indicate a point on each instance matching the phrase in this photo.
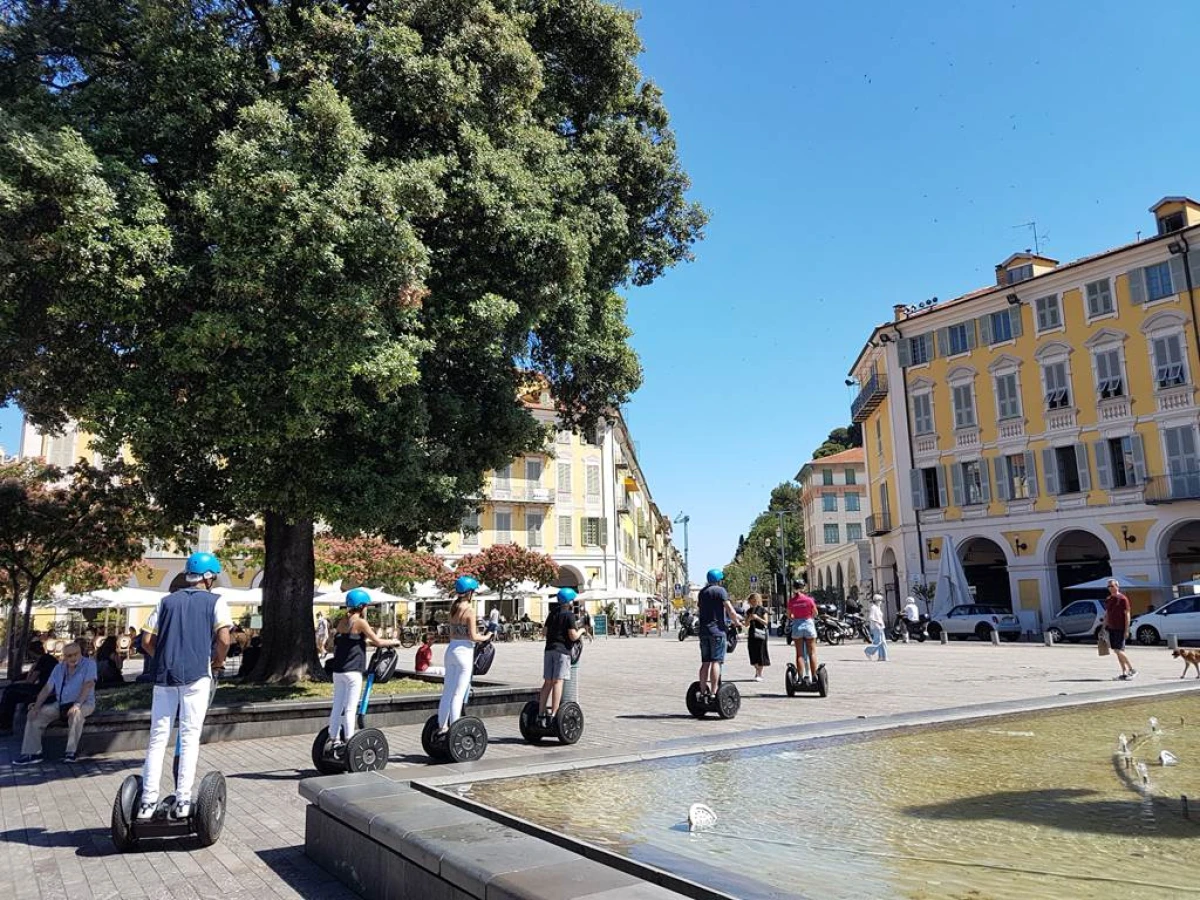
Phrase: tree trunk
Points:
(18, 645)
(12, 642)
(289, 640)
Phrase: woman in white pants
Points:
(349, 663)
(460, 654)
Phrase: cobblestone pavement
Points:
(54, 819)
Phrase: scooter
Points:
(367, 749)
(207, 816)
(918, 629)
(687, 628)
(466, 740)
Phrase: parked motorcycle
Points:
(859, 626)
(830, 628)
(687, 628)
(918, 629)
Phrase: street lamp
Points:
(683, 520)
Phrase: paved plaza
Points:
(54, 819)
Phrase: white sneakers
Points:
(146, 811)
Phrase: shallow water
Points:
(1016, 807)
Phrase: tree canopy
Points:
(758, 550)
(299, 257)
(840, 439)
(502, 567)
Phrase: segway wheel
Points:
(569, 722)
(124, 809)
(729, 701)
(467, 739)
(428, 744)
(789, 680)
(527, 722)
(682, 635)
(694, 704)
(209, 817)
(321, 761)
(367, 751)
(822, 681)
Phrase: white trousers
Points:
(347, 689)
(460, 661)
(191, 700)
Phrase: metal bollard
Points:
(995, 638)
(1048, 638)
(943, 637)
(1172, 642)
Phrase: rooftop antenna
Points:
(1037, 241)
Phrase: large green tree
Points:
(299, 257)
(758, 551)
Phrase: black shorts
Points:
(1116, 638)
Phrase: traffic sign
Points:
(754, 579)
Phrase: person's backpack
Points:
(484, 654)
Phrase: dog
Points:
(1190, 658)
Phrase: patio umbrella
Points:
(1127, 582)
(952, 588)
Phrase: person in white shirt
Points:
(494, 620)
(322, 634)
(910, 610)
(878, 635)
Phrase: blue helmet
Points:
(357, 599)
(715, 576)
(464, 584)
(566, 595)
(202, 565)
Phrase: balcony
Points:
(874, 389)
(879, 523)
(1173, 488)
(520, 492)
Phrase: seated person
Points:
(26, 690)
(250, 656)
(73, 683)
(108, 664)
(425, 657)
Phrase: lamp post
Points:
(683, 520)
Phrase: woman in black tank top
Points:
(350, 641)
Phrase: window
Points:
(972, 481)
(854, 531)
(1183, 464)
(502, 479)
(1066, 469)
(1099, 297)
(533, 472)
(564, 478)
(1008, 398)
(1015, 477)
(564, 531)
(831, 534)
(958, 338)
(1109, 380)
(1158, 281)
(593, 481)
(1169, 368)
(1049, 315)
(1058, 390)
(829, 503)
(922, 409)
(503, 527)
(470, 530)
(964, 407)
(1173, 222)
(533, 528)
(929, 488)
(1120, 462)
(1001, 324)
(1018, 274)
(849, 476)
(827, 476)
(853, 503)
(563, 436)
(878, 437)
(919, 348)
(591, 531)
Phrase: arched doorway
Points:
(851, 581)
(1182, 551)
(986, 568)
(840, 584)
(1079, 556)
(569, 576)
(890, 575)
(828, 578)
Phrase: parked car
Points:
(1077, 621)
(972, 619)
(1179, 617)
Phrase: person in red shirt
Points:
(1116, 623)
(425, 656)
(802, 612)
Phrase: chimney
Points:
(1001, 276)
(899, 312)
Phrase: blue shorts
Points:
(712, 647)
(804, 628)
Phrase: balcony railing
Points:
(1173, 487)
(521, 492)
(879, 523)
(874, 389)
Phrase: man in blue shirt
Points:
(188, 634)
(73, 683)
(715, 609)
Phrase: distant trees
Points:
(758, 553)
(502, 567)
(840, 439)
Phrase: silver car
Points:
(972, 619)
(1077, 621)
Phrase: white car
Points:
(1077, 621)
(1179, 617)
(971, 619)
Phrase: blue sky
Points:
(853, 156)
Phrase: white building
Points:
(836, 502)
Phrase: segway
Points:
(567, 724)
(207, 816)
(466, 740)
(793, 683)
(367, 749)
(725, 703)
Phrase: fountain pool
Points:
(1025, 806)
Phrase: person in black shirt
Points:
(561, 633)
(26, 691)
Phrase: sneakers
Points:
(69, 756)
(758, 678)
(145, 811)
(1131, 674)
(182, 809)
(1121, 677)
(28, 759)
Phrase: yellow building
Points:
(1047, 424)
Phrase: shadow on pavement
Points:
(304, 876)
(654, 716)
(56, 770)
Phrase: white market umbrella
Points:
(952, 588)
(1126, 581)
(126, 597)
(240, 596)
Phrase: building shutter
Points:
(603, 531)
(1000, 463)
(943, 341)
(985, 480)
(956, 483)
(1031, 473)
(593, 481)
(1050, 467)
(1178, 280)
(1139, 459)
(564, 478)
(1100, 450)
(904, 349)
(941, 485)
(971, 342)
(1014, 316)
(564, 531)
(1137, 286)
(985, 329)
(1085, 471)
(917, 480)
